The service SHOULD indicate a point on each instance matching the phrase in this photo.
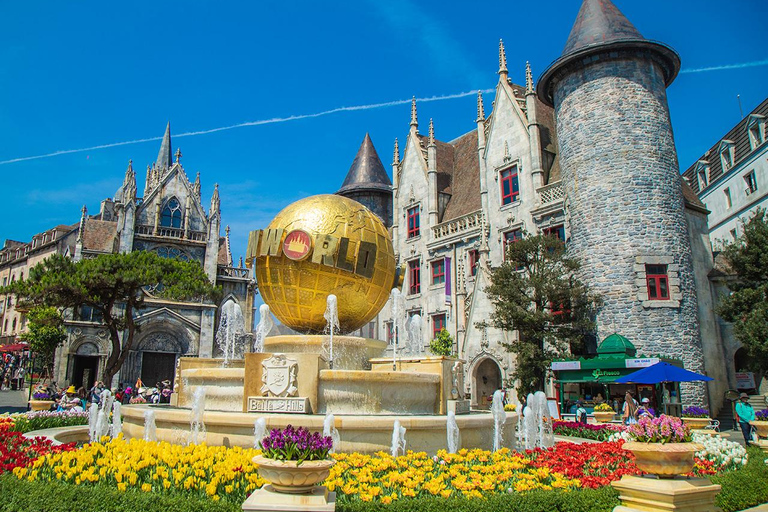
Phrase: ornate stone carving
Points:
(279, 376)
(457, 377)
(161, 342)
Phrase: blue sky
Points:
(81, 74)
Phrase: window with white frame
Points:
(751, 182)
(726, 154)
(756, 130)
(728, 202)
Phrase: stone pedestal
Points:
(763, 445)
(267, 499)
(638, 494)
(457, 406)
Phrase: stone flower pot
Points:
(696, 423)
(761, 427)
(664, 460)
(287, 476)
(604, 416)
(40, 405)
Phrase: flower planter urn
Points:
(761, 427)
(40, 405)
(696, 423)
(287, 476)
(664, 460)
(604, 416)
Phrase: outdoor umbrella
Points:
(15, 347)
(661, 372)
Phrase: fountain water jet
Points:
(117, 420)
(397, 308)
(499, 417)
(415, 342)
(231, 331)
(262, 328)
(331, 316)
(259, 431)
(102, 418)
(329, 430)
(150, 429)
(452, 430)
(398, 439)
(196, 425)
(93, 418)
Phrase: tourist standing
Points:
(629, 409)
(744, 414)
(581, 413)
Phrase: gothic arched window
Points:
(171, 214)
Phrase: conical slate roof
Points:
(164, 155)
(366, 172)
(600, 28)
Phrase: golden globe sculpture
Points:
(322, 245)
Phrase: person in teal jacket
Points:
(744, 414)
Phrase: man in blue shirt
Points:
(744, 414)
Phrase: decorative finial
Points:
(84, 211)
(227, 230)
(528, 79)
(502, 59)
(240, 265)
(480, 108)
(396, 157)
(414, 117)
(178, 155)
(431, 133)
(507, 157)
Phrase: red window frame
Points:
(510, 185)
(413, 222)
(414, 277)
(390, 328)
(438, 271)
(474, 259)
(657, 279)
(561, 311)
(556, 231)
(438, 322)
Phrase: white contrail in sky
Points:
(727, 66)
(249, 123)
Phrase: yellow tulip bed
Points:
(228, 474)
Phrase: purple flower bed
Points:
(761, 415)
(295, 444)
(695, 412)
(40, 395)
(664, 429)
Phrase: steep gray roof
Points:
(164, 155)
(367, 171)
(601, 28)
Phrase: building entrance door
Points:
(487, 380)
(157, 367)
(84, 371)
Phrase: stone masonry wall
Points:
(625, 204)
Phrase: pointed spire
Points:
(502, 59)
(178, 155)
(226, 230)
(414, 116)
(431, 133)
(164, 155)
(81, 228)
(366, 172)
(599, 22)
(129, 170)
(129, 184)
(215, 202)
(196, 186)
(480, 108)
(396, 156)
(528, 79)
(229, 248)
(240, 263)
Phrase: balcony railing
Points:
(167, 232)
(233, 272)
(552, 192)
(457, 226)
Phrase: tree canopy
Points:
(747, 305)
(45, 331)
(536, 293)
(113, 285)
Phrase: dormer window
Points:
(756, 130)
(726, 154)
(171, 216)
(702, 174)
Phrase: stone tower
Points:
(367, 182)
(623, 187)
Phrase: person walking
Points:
(744, 414)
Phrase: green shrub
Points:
(23, 496)
(746, 487)
(442, 345)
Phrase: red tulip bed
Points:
(19, 451)
(595, 464)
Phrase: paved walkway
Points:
(13, 401)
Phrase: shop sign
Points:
(566, 365)
(641, 363)
(598, 374)
(745, 380)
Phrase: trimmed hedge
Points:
(746, 487)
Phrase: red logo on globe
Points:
(297, 245)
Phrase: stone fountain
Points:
(318, 247)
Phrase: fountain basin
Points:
(223, 387)
(349, 352)
(358, 432)
(377, 393)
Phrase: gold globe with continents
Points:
(322, 245)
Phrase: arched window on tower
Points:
(171, 214)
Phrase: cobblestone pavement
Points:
(13, 401)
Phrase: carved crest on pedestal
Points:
(278, 376)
